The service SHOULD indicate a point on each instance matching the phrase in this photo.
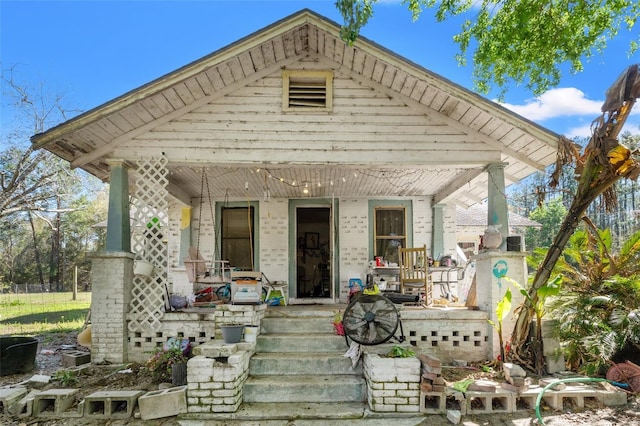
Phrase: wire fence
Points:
(31, 313)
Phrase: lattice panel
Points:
(150, 222)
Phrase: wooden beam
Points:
(456, 184)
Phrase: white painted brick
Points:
(395, 400)
(411, 408)
(395, 386)
(383, 393)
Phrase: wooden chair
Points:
(414, 272)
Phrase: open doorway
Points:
(313, 254)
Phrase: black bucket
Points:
(514, 243)
(17, 355)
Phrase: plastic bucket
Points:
(250, 333)
(232, 333)
(142, 267)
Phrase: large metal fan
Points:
(371, 320)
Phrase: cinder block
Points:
(163, 403)
(111, 404)
(75, 358)
(555, 364)
(53, 402)
(9, 396)
(456, 401)
(24, 406)
(575, 396)
(612, 398)
(500, 401)
(433, 402)
(526, 400)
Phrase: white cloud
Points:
(555, 103)
(578, 132)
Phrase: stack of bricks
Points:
(215, 377)
(431, 374)
(393, 384)
(433, 399)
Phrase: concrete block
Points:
(555, 364)
(24, 406)
(574, 397)
(550, 346)
(9, 396)
(548, 380)
(75, 358)
(500, 401)
(513, 388)
(526, 400)
(612, 398)
(53, 402)
(456, 401)
(37, 381)
(111, 404)
(454, 416)
(433, 402)
(483, 386)
(163, 403)
(513, 370)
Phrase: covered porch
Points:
(319, 146)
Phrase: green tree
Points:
(34, 184)
(550, 216)
(513, 41)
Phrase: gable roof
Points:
(484, 131)
(477, 215)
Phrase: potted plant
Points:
(161, 364)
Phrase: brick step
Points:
(300, 343)
(305, 388)
(293, 363)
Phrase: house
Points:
(471, 223)
(288, 152)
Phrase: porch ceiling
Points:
(444, 158)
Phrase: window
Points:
(237, 236)
(307, 90)
(390, 232)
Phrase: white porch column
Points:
(492, 267)
(498, 212)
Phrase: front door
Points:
(314, 252)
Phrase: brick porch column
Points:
(112, 275)
(112, 279)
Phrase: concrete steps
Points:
(281, 364)
(299, 359)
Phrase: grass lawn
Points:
(38, 313)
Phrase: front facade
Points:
(291, 153)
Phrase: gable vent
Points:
(306, 90)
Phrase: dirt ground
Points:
(133, 376)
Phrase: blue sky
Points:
(94, 51)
